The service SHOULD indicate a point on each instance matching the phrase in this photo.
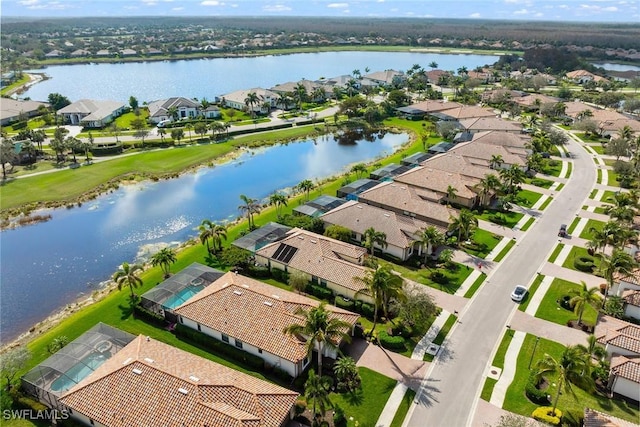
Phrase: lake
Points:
(48, 265)
(208, 78)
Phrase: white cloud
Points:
(338, 5)
(149, 2)
(276, 8)
(474, 15)
(211, 3)
(597, 9)
(177, 9)
(521, 12)
(29, 2)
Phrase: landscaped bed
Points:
(552, 310)
(482, 243)
(527, 198)
(592, 223)
(580, 260)
(506, 219)
(447, 279)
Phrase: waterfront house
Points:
(90, 113)
(480, 124)
(184, 108)
(350, 191)
(11, 110)
(319, 206)
(238, 98)
(252, 315)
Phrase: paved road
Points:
(450, 391)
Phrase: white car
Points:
(519, 293)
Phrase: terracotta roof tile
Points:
(506, 139)
(490, 123)
(619, 333)
(593, 418)
(631, 297)
(438, 180)
(255, 313)
(626, 367)
(149, 383)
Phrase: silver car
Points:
(519, 293)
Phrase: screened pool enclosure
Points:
(74, 362)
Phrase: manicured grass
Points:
(573, 225)
(599, 176)
(597, 148)
(546, 203)
(442, 334)
(556, 252)
(593, 193)
(609, 162)
(552, 167)
(455, 275)
(405, 404)
(475, 286)
(528, 224)
(483, 242)
(612, 178)
(498, 362)
(532, 290)
(551, 310)
(7, 89)
(539, 182)
(599, 210)
(410, 341)
(560, 187)
(527, 198)
(365, 405)
(592, 223)
(607, 194)
(577, 252)
(505, 250)
(517, 402)
(506, 219)
(569, 170)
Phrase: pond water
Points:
(617, 67)
(47, 265)
(209, 78)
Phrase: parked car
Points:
(519, 293)
(563, 230)
(163, 123)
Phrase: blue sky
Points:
(547, 10)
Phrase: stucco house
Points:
(402, 231)
(185, 108)
(149, 383)
(505, 139)
(90, 113)
(631, 300)
(252, 316)
(481, 124)
(327, 262)
(12, 109)
(238, 98)
(387, 77)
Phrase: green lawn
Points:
(442, 334)
(599, 176)
(569, 169)
(551, 310)
(517, 402)
(505, 250)
(498, 362)
(556, 252)
(612, 178)
(597, 148)
(546, 203)
(552, 167)
(592, 223)
(532, 290)
(573, 225)
(528, 224)
(455, 275)
(475, 286)
(527, 198)
(401, 413)
(560, 187)
(506, 219)
(607, 194)
(366, 405)
(539, 182)
(599, 210)
(577, 252)
(482, 243)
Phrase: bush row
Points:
(584, 263)
(261, 129)
(319, 291)
(533, 393)
(218, 347)
(545, 415)
(148, 315)
(391, 343)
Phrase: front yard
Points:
(527, 198)
(579, 256)
(592, 223)
(550, 308)
(442, 278)
(507, 219)
(482, 243)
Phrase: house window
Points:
(199, 328)
(91, 422)
(323, 283)
(314, 280)
(180, 319)
(260, 350)
(225, 338)
(305, 362)
(238, 343)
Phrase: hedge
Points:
(584, 263)
(259, 272)
(391, 343)
(533, 393)
(280, 275)
(543, 414)
(319, 291)
(211, 344)
(148, 316)
(344, 303)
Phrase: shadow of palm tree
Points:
(427, 394)
(354, 398)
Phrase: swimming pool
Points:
(181, 297)
(79, 371)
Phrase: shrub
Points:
(545, 415)
(259, 272)
(148, 315)
(280, 275)
(439, 277)
(339, 420)
(533, 393)
(24, 402)
(363, 308)
(300, 407)
(320, 291)
(347, 304)
(391, 343)
(584, 263)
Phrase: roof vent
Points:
(126, 361)
(237, 292)
(183, 390)
(387, 215)
(313, 241)
(194, 378)
(276, 296)
(146, 359)
(270, 304)
(244, 285)
(359, 206)
(301, 237)
(136, 371)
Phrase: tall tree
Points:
(206, 232)
(218, 234)
(249, 208)
(320, 329)
(347, 375)
(13, 361)
(278, 200)
(164, 258)
(251, 101)
(382, 285)
(463, 225)
(7, 155)
(127, 275)
(583, 297)
(316, 391)
(373, 238)
(359, 169)
(619, 262)
(430, 238)
(305, 185)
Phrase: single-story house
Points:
(631, 303)
(149, 383)
(252, 315)
(319, 205)
(624, 376)
(12, 109)
(574, 109)
(463, 112)
(90, 113)
(351, 190)
(453, 162)
(256, 239)
(387, 77)
(624, 282)
(310, 88)
(618, 336)
(185, 108)
(328, 262)
(481, 124)
(434, 106)
(416, 159)
(402, 231)
(389, 171)
(238, 98)
(422, 204)
(440, 147)
(485, 151)
(593, 418)
(505, 139)
(583, 76)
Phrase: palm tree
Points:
(465, 224)
(173, 113)
(584, 297)
(570, 369)
(451, 194)
(488, 184)
(188, 127)
(206, 232)
(433, 65)
(359, 169)
(619, 262)
(300, 95)
(372, 238)
(278, 200)
(346, 373)
(306, 186)
(204, 104)
(251, 101)
(609, 234)
(127, 275)
(496, 161)
(218, 234)
(164, 258)
(593, 350)
(320, 330)
(250, 207)
(625, 133)
(512, 177)
(383, 286)
(430, 238)
(316, 391)
(319, 94)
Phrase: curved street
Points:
(450, 391)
